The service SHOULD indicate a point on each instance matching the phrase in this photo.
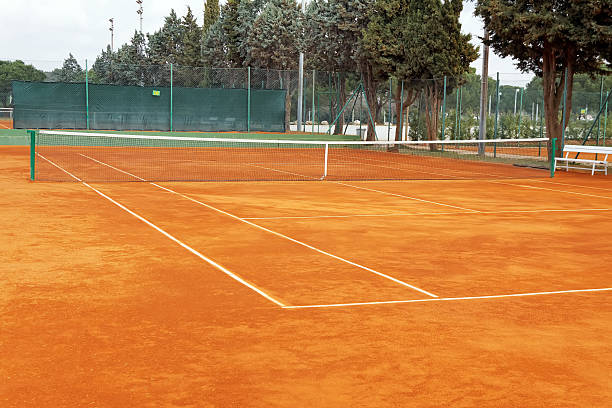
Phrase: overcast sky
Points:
(44, 32)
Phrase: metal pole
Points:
(32, 154)
(400, 114)
(249, 99)
(314, 78)
(171, 95)
(86, 95)
(444, 111)
(496, 105)
(564, 107)
(515, 93)
(484, 85)
(460, 109)
(606, 118)
(520, 113)
(300, 84)
(112, 30)
(600, 106)
(456, 115)
(390, 117)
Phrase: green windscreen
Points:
(40, 105)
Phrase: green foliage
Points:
(276, 38)
(164, 45)
(15, 70)
(529, 30)
(211, 15)
(191, 34)
(71, 71)
(551, 37)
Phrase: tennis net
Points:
(102, 157)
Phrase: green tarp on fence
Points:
(42, 105)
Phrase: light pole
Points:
(139, 12)
(112, 31)
(515, 94)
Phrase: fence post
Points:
(171, 94)
(86, 95)
(521, 113)
(390, 117)
(605, 118)
(400, 114)
(444, 111)
(496, 106)
(314, 82)
(553, 149)
(460, 109)
(562, 145)
(600, 106)
(249, 99)
(32, 154)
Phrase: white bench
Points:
(592, 150)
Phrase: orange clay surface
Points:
(6, 123)
(99, 309)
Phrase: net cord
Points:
(297, 142)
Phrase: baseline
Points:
(558, 292)
(550, 189)
(433, 214)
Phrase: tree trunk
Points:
(339, 103)
(553, 93)
(432, 112)
(410, 97)
(370, 85)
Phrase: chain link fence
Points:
(332, 102)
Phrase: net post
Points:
(325, 164)
(552, 156)
(171, 93)
(86, 95)
(248, 99)
(32, 134)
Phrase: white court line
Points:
(377, 191)
(278, 234)
(573, 185)
(171, 237)
(405, 196)
(429, 213)
(448, 299)
(551, 189)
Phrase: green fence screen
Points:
(42, 105)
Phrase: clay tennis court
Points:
(462, 292)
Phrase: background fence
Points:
(515, 102)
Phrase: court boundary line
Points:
(551, 189)
(278, 234)
(573, 185)
(447, 299)
(579, 210)
(172, 238)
